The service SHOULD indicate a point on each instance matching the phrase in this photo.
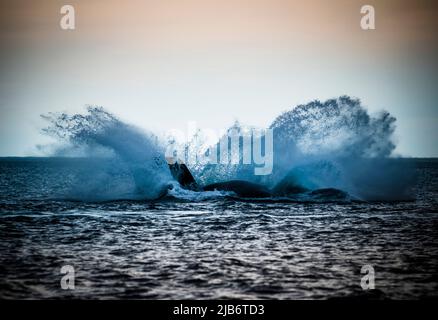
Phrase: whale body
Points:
(241, 188)
(245, 189)
(287, 186)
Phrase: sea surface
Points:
(212, 247)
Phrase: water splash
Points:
(137, 168)
(342, 126)
(338, 144)
(331, 144)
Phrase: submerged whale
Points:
(245, 189)
(287, 186)
(241, 188)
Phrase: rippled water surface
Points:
(216, 248)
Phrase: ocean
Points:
(214, 246)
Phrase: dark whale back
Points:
(287, 187)
(241, 188)
(329, 194)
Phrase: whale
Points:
(241, 188)
(182, 174)
(329, 193)
(287, 186)
(245, 189)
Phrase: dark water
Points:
(217, 248)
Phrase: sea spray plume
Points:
(216, 172)
(129, 148)
(332, 144)
(338, 144)
(335, 144)
(230, 162)
(338, 125)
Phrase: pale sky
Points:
(162, 63)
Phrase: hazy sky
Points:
(162, 63)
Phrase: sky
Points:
(160, 64)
